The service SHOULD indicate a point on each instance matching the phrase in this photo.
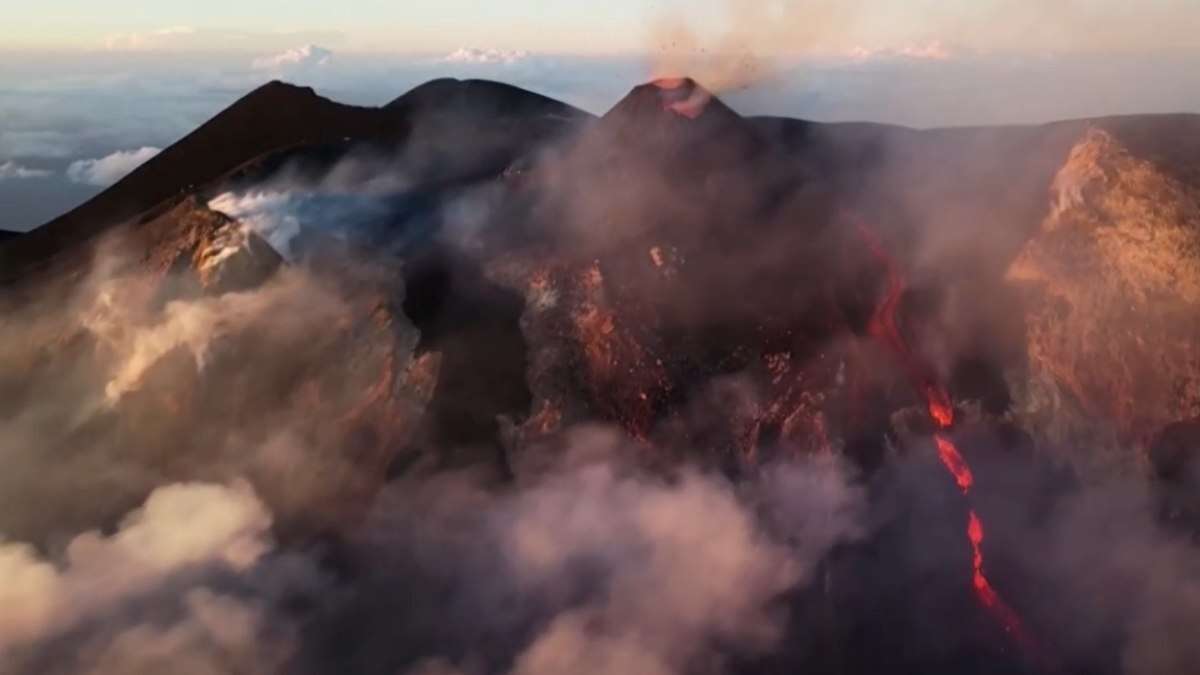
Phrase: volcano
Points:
(329, 300)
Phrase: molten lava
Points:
(954, 462)
(682, 96)
(883, 327)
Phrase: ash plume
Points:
(748, 43)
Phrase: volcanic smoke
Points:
(883, 327)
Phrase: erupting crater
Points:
(683, 96)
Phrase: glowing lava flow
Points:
(884, 328)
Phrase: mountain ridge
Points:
(269, 121)
(714, 205)
(272, 118)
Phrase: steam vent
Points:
(479, 382)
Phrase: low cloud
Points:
(35, 143)
(594, 566)
(933, 50)
(187, 38)
(12, 171)
(486, 56)
(180, 528)
(110, 168)
(175, 30)
(308, 56)
(685, 563)
(618, 569)
(151, 40)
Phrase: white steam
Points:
(348, 196)
(217, 634)
(308, 56)
(281, 306)
(665, 573)
(109, 169)
(180, 527)
(266, 213)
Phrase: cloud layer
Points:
(155, 39)
(11, 170)
(482, 56)
(933, 50)
(308, 56)
(176, 543)
(111, 168)
(180, 38)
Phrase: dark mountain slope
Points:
(273, 116)
(487, 99)
(280, 123)
(472, 128)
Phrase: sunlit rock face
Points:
(1114, 299)
(190, 349)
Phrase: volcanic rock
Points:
(1114, 305)
(279, 125)
(1175, 459)
(456, 309)
(674, 268)
(188, 351)
(274, 116)
(680, 124)
(642, 263)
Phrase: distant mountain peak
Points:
(279, 87)
(677, 114)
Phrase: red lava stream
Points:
(884, 328)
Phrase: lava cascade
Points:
(883, 327)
